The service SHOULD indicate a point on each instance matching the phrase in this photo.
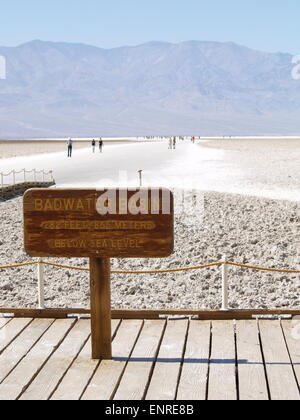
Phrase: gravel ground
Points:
(247, 229)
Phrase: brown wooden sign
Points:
(110, 223)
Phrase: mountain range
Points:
(191, 88)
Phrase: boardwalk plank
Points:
(4, 321)
(79, 374)
(109, 373)
(28, 368)
(222, 373)
(292, 335)
(11, 331)
(164, 382)
(22, 345)
(193, 381)
(136, 376)
(56, 367)
(281, 378)
(153, 359)
(252, 378)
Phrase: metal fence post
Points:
(225, 285)
(41, 284)
(24, 170)
(141, 178)
(14, 180)
(2, 182)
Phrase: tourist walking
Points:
(70, 147)
(94, 145)
(174, 143)
(101, 145)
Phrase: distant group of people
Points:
(94, 144)
(173, 141)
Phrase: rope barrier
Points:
(253, 267)
(67, 267)
(170, 270)
(13, 174)
(22, 171)
(6, 267)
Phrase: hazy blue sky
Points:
(270, 25)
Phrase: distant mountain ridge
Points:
(202, 88)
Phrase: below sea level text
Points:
(95, 243)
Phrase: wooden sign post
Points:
(100, 308)
(99, 225)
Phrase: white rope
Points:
(24, 172)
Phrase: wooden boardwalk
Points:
(183, 359)
(10, 191)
